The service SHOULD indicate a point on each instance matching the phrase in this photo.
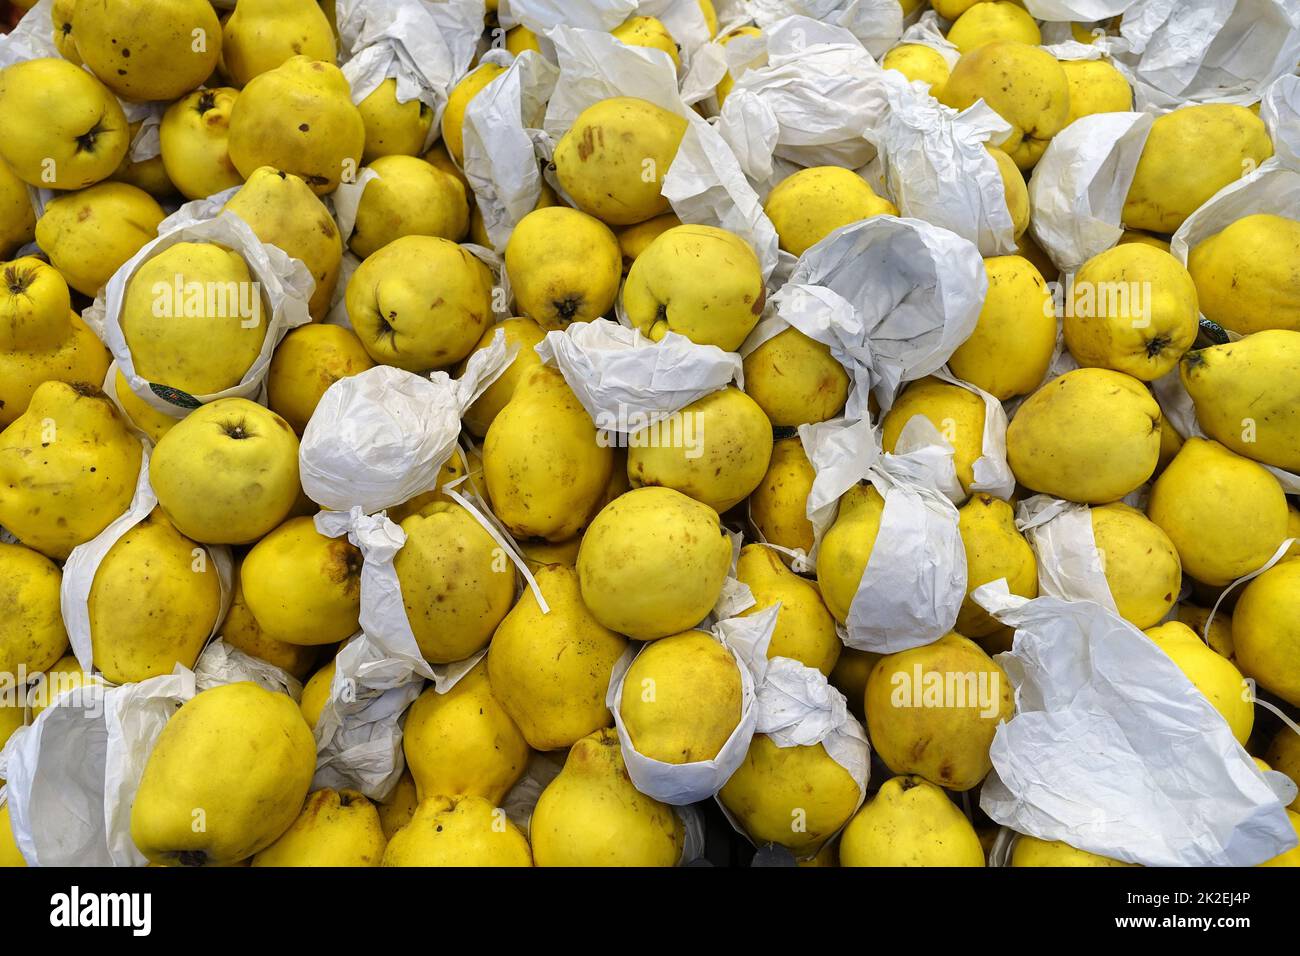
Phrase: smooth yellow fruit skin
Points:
(648, 32)
(1031, 851)
(316, 694)
(262, 34)
(268, 120)
(722, 453)
(523, 332)
(1247, 395)
(591, 815)
(199, 344)
(411, 198)
(635, 239)
(1176, 174)
(241, 630)
(520, 38)
(699, 281)
(1023, 84)
(1092, 436)
(32, 636)
(89, 234)
(1011, 348)
(1213, 675)
(795, 380)
(335, 828)
(420, 302)
(1220, 636)
(682, 698)
(393, 128)
(458, 831)
(551, 671)
(850, 677)
(809, 205)
(796, 797)
(68, 467)
(995, 550)
(545, 464)
(986, 22)
(1225, 514)
(564, 266)
(194, 138)
(948, 743)
(1134, 310)
(1096, 87)
(147, 50)
(17, 216)
(283, 211)
(1245, 276)
(453, 117)
(1284, 756)
(302, 587)
(35, 306)
(1170, 443)
(1266, 630)
(846, 548)
(154, 602)
(805, 629)
(1292, 856)
(227, 473)
(241, 754)
(463, 743)
(1141, 564)
(603, 160)
(397, 809)
(306, 363)
(9, 854)
(1014, 190)
(140, 413)
(79, 359)
(956, 413)
(147, 174)
(917, 61)
(81, 136)
(910, 822)
(652, 563)
(778, 506)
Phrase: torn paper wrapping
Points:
(73, 773)
(1280, 111)
(747, 639)
(1113, 750)
(379, 438)
(541, 16)
(1078, 188)
(1069, 564)
(625, 381)
(284, 285)
(920, 289)
(1086, 11)
(876, 24)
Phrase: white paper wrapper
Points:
(222, 663)
(1069, 565)
(541, 16)
(929, 30)
(625, 381)
(1113, 750)
(747, 639)
(32, 38)
(920, 289)
(378, 439)
(285, 286)
(1078, 188)
(1086, 11)
(876, 24)
(1280, 111)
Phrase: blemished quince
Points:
(411, 197)
(154, 602)
(68, 467)
(241, 630)
(795, 379)
(592, 815)
(652, 563)
(910, 822)
(1223, 535)
(564, 266)
(778, 507)
(262, 34)
(550, 671)
(1213, 675)
(956, 413)
(77, 358)
(458, 831)
(921, 721)
(1031, 851)
(396, 810)
(916, 61)
(995, 550)
(809, 205)
(194, 137)
(241, 755)
(420, 303)
(1141, 565)
(1266, 630)
(306, 363)
(458, 100)
(545, 463)
(393, 127)
(805, 629)
(1244, 278)
(648, 32)
(35, 306)
(148, 50)
(682, 698)
(613, 160)
(89, 234)
(523, 332)
(999, 20)
(335, 828)
(302, 587)
(463, 743)
(1011, 348)
(1092, 435)
(299, 117)
(1096, 87)
(227, 473)
(698, 281)
(32, 634)
(283, 211)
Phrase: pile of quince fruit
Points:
(628, 546)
